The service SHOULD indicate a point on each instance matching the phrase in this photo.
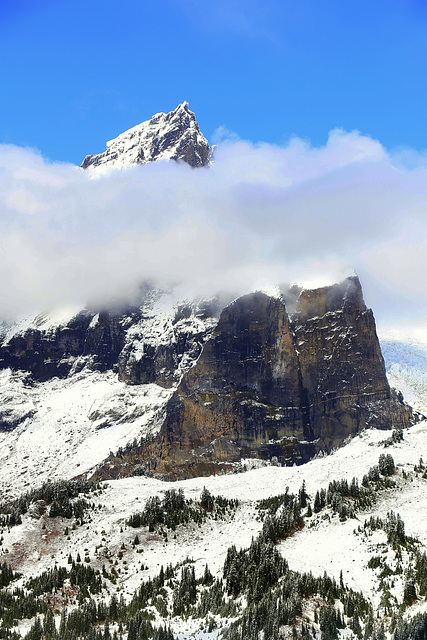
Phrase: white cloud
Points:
(260, 214)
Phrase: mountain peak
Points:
(166, 136)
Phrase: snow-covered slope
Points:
(167, 136)
(405, 355)
(324, 544)
(68, 426)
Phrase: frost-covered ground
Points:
(331, 545)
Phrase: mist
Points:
(260, 215)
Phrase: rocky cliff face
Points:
(167, 136)
(270, 383)
(88, 339)
(341, 365)
(285, 376)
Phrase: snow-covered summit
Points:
(167, 136)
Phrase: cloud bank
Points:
(261, 214)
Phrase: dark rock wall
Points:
(245, 390)
(266, 385)
(342, 368)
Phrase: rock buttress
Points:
(243, 398)
(342, 368)
(271, 384)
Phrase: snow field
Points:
(74, 424)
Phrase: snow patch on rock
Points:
(166, 136)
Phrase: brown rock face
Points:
(269, 384)
(244, 393)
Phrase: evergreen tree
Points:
(206, 500)
(302, 496)
(36, 631)
(328, 623)
(386, 464)
(409, 593)
(49, 628)
(207, 577)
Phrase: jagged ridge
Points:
(167, 136)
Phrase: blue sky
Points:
(75, 74)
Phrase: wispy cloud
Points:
(253, 19)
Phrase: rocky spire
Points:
(167, 136)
